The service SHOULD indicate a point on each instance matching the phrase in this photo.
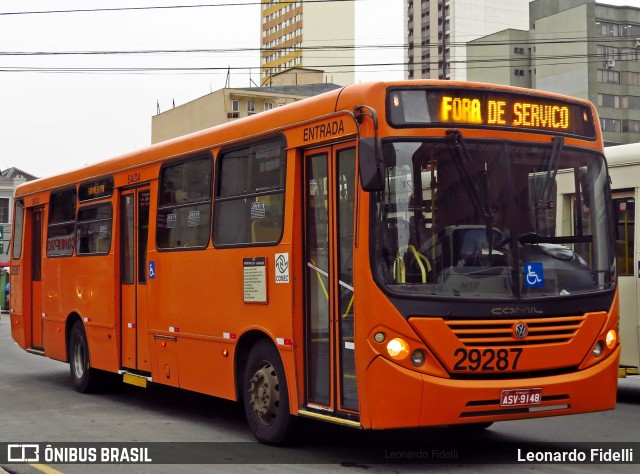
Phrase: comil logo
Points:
(23, 453)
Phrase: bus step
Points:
(35, 350)
(135, 379)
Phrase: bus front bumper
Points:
(398, 397)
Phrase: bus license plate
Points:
(521, 397)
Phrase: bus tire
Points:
(84, 378)
(265, 396)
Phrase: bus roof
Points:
(268, 122)
(620, 155)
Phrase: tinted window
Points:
(94, 230)
(184, 213)
(61, 229)
(250, 195)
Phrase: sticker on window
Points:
(534, 275)
(172, 221)
(194, 218)
(258, 210)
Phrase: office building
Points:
(437, 32)
(575, 47)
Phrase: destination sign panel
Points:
(497, 109)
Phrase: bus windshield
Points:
(482, 219)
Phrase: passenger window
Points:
(62, 220)
(624, 212)
(184, 212)
(18, 224)
(250, 195)
(94, 230)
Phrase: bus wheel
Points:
(84, 378)
(266, 399)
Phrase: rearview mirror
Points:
(371, 168)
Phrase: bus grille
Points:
(473, 333)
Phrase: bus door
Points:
(134, 228)
(37, 229)
(331, 386)
(628, 281)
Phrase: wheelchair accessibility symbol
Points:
(534, 275)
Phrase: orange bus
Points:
(380, 256)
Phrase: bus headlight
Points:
(611, 339)
(398, 348)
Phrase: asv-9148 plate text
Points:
(521, 397)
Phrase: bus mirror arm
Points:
(369, 152)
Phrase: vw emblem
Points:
(520, 330)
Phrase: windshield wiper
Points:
(552, 170)
(463, 161)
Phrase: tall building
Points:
(575, 47)
(437, 32)
(310, 35)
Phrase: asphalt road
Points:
(39, 405)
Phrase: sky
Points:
(55, 115)
(57, 121)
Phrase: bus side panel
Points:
(391, 390)
(204, 367)
(54, 337)
(20, 302)
(198, 297)
(85, 286)
(17, 314)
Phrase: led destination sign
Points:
(423, 107)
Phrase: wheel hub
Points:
(264, 395)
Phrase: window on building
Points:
(610, 125)
(4, 210)
(184, 210)
(61, 236)
(631, 126)
(268, 106)
(606, 28)
(249, 205)
(609, 100)
(629, 54)
(518, 72)
(630, 30)
(608, 52)
(93, 229)
(608, 77)
(235, 106)
(630, 102)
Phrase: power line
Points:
(471, 64)
(297, 48)
(159, 7)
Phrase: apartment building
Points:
(310, 35)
